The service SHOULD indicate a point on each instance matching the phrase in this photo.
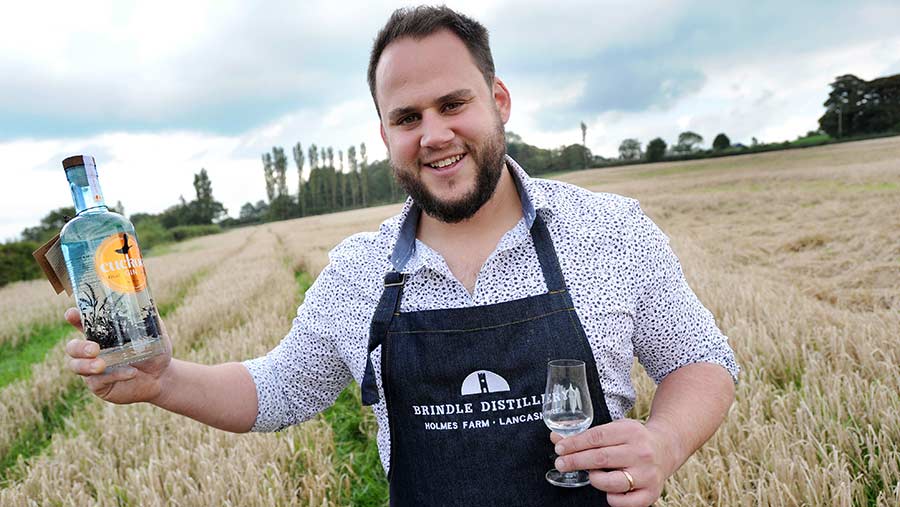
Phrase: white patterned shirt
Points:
(626, 283)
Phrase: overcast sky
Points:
(157, 90)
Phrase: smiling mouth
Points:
(446, 162)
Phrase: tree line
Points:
(855, 109)
(330, 180)
(183, 220)
(858, 107)
(327, 181)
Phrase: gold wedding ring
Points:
(630, 480)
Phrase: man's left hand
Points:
(609, 449)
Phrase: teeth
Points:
(445, 162)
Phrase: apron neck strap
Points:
(546, 254)
(381, 323)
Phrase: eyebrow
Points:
(455, 95)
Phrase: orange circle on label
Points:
(119, 264)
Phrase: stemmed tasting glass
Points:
(567, 411)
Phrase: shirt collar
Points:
(532, 196)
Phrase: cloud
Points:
(220, 67)
(645, 56)
(229, 67)
(168, 87)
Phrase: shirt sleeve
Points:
(672, 327)
(304, 374)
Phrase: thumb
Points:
(74, 318)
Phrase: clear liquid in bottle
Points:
(107, 273)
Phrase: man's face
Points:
(442, 124)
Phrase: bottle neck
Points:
(85, 188)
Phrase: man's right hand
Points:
(126, 384)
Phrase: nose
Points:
(436, 131)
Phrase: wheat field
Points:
(796, 253)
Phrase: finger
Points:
(102, 382)
(74, 318)
(87, 367)
(637, 498)
(613, 481)
(617, 456)
(82, 349)
(614, 433)
(555, 437)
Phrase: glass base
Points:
(133, 352)
(574, 479)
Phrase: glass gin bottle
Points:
(107, 272)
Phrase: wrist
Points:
(163, 385)
(669, 443)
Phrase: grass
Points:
(811, 140)
(181, 293)
(304, 281)
(15, 364)
(356, 448)
(33, 440)
(16, 361)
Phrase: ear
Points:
(502, 99)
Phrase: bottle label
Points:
(93, 181)
(119, 265)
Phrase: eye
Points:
(408, 119)
(452, 106)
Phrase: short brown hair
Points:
(424, 20)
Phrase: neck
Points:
(499, 214)
(85, 188)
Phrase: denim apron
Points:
(463, 390)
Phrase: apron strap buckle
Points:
(394, 279)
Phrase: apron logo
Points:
(484, 382)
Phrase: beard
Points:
(489, 161)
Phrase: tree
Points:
(332, 177)
(535, 160)
(343, 178)
(315, 192)
(16, 262)
(721, 142)
(354, 175)
(280, 206)
(313, 157)
(279, 162)
(572, 156)
(630, 149)
(270, 176)
(687, 141)
(656, 150)
(205, 209)
(49, 226)
(856, 106)
(251, 213)
(584, 142)
(364, 179)
(301, 191)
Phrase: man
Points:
(490, 274)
